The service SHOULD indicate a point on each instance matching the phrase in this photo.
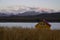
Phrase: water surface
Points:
(28, 25)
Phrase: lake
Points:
(28, 25)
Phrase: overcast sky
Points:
(53, 4)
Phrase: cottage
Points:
(43, 25)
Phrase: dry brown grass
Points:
(28, 34)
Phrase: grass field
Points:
(28, 34)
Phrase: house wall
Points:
(42, 25)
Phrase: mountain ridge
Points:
(22, 9)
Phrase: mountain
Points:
(22, 9)
(51, 17)
(27, 13)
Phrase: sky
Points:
(51, 4)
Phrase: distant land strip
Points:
(26, 20)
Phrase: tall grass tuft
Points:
(15, 33)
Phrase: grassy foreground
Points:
(28, 34)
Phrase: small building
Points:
(43, 25)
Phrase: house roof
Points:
(46, 22)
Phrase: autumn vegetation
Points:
(17, 33)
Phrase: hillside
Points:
(51, 17)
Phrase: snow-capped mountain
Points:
(24, 11)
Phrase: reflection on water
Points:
(29, 25)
